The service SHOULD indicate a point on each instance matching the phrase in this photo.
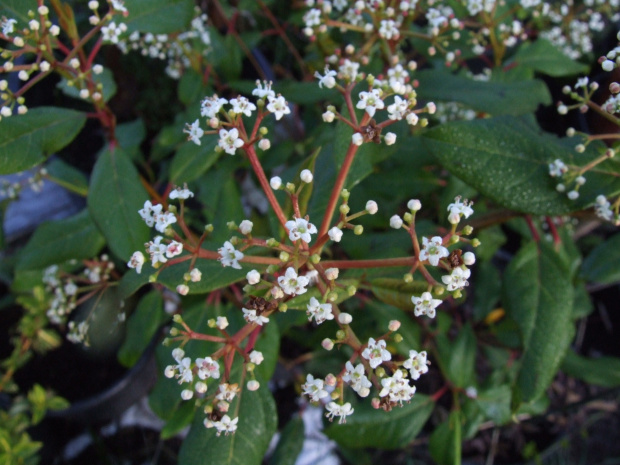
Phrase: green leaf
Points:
(538, 295)
(369, 427)
(257, 424)
(507, 159)
(495, 98)
(191, 161)
(601, 265)
(159, 16)
(114, 198)
(398, 293)
(26, 140)
(300, 302)
(181, 417)
(495, 403)
(445, 442)
(457, 358)
(67, 176)
(18, 9)
(540, 55)
(290, 444)
(226, 56)
(106, 79)
(55, 242)
(142, 325)
(601, 371)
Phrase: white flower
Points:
(397, 110)
(412, 119)
(416, 364)
(181, 193)
(225, 425)
(376, 353)
(211, 106)
(348, 70)
(275, 182)
(8, 26)
(336, 410)
(320, 312)
(242, 105)
(262, 92)
(256, 357)
(328, 116)
(357, 139)
(457, 279)
(173, 249)
(306, 176)
(182, 371)
(149, 213)
(253, 277)
(370, 101)
(335, 234)
(229, 140)
(157, 250)
(246, 227)
(278, 107)
(372, 207)
(111, 33)
(397, 388)
(207, 368)
(328, 80)
(432, 250)
(292, 284)
(251, 317)
(312, 17)
(425, 304)
(227, 392)
(136, 261)
(356, 378)
(461, 208)
(389, 29)
(299, 228)
(313, 388)
(119, 5)
(229, 256)
(396, 222)
(163, 220)
(195, 275)
(557, 168)
(221, 322)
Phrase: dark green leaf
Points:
(181, 417)
(495, 403)
(106, 79)
(290, 444)
(369, 427)
(159, 16)
(506, 159)
(538, 295)
(445, 441)
(601, 265)
(67, 176)
(495, 98)
(257, 424)
(398, 293)
(58, 241)
(488, 285)
(26, 140)
(457, 357)
(142, 325)
(114, 199)
(191, 161)
(545, 58)
(601, 371)
(300, 302)
(18, 9)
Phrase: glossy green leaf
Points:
(495, 98)
(181, 418)
(191, 161)
(369, 427)
(300, 302)
(506, 159)
(26, 140)
(397, 292)
(67, 176)
(58, 241)
(142, 325)
(18, 9)
(445, 442)
(601, 265)
(457, 358)
(538, 295)
(159, 16)
(290, 444)
(600, 371)
(257, 424)
(106, 79)
(540, 55)
(114, 199)
(495, 403)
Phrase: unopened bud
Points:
(177, 318)
(467, 230)
(344, 209)
(397, 338)
(253, 385)
(475, 242)
(316, 258)
(394, 325)
(283, 308)
(331, 380)
(332, 296)
(408, 217)
(345, 318)
(351, 290)
(375, 403)
(358, 230)
(331, 274)
(408, 277)
(340, 335)
(327, 344)
(284, 256)
(380, 372)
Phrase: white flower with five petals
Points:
(376, 353)
(433, 250)
(300, 228)
(292, 284)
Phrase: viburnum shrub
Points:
(329, 194)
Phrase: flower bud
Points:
(306, 176)
(186, 394)
(351, 290)
(573, 195)
(290, 187)
(390, 138)
(276, 292)
(264, 144)
(331, 274)
(397, 338)
(253, 277)
(195, 275)
(335, 234)
(408, 277)
(200, 387)
(327, 344)
(475, 242)
(408, 217)
(469, 258)
(283, 308)
(344, 209)
(363, 392)
(284, 256)
(253, 385)
(467, 230)
(414, 205)
(330, 380)
(357, 139)
(380, 372)
(177, 318)
(221, 323)
(345, 318)
(372, 207)
(358, 230)
(396, 222)
(394, 325)
(340, 335)
(275, 182)
(332, 296)
(375, 403)
(328, 116)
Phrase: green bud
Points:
(153, 278)
(232, 114)
(177, 318)
(408, 277)
(397, 338)
(380, 372)
(423, 123)
(186, 277)
(290, 187)
(335, 395)
(250, 366)
(457, 294)
(174, 332)
(351, 290)
(232, 225)
(467, 230)
(358, 230)
(166, 342)
(260, 103)
(332, 109)
(475, 242)
(316, 258)
(247, 288)
(439, 290)
(345, 194)
(284, 256)
(344, 209)
(263, 131)
(332, 296)
(408, 217)
(370, 80)
(340, 334)
(454, 239)
(234, 240)
(271, 269)
(271, 242)
(218, 149)
(211, 323)
(283, 308)
(209, 228)
(172, 208)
